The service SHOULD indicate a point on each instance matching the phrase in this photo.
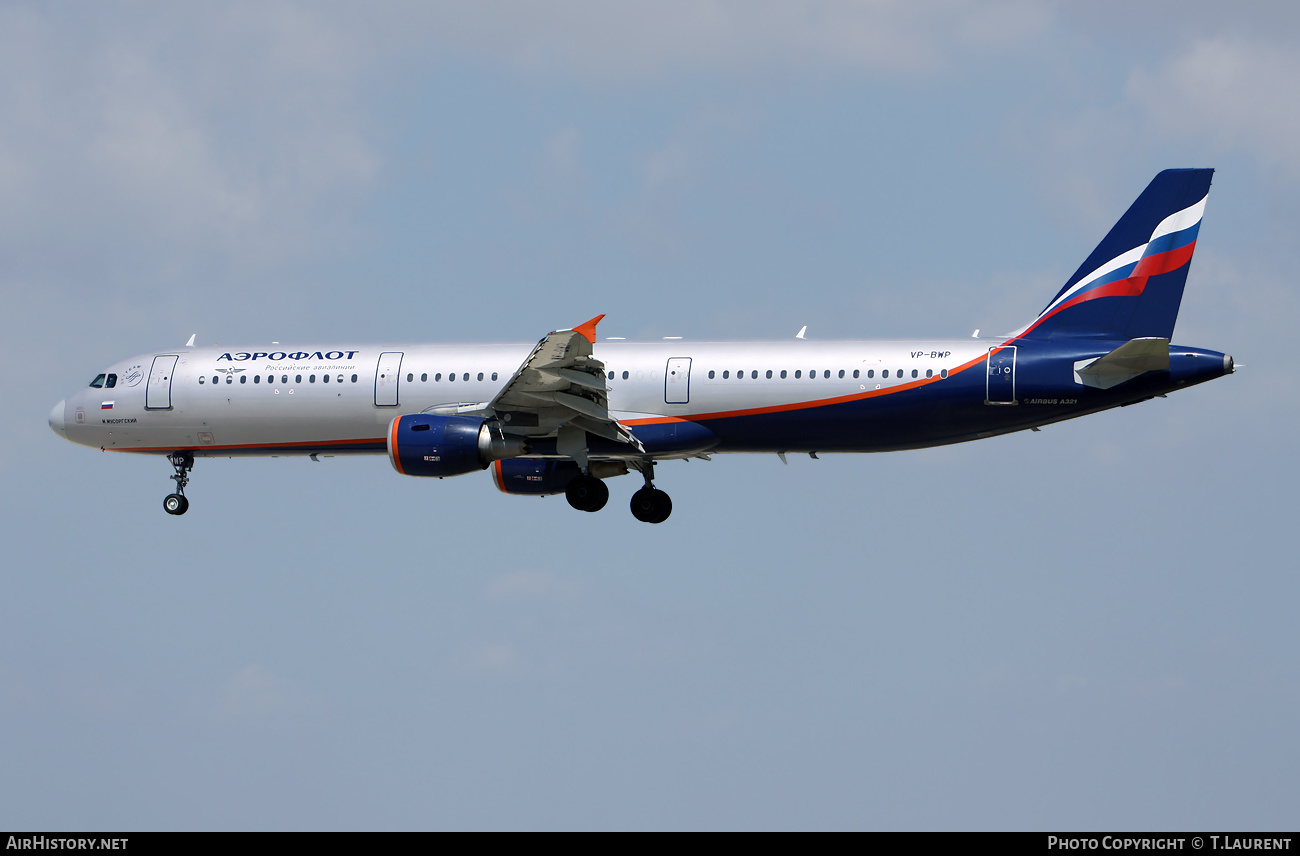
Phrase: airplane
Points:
(566, 414)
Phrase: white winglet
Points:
(190, 343)
(802, 330)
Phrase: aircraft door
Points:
(677, 381)
(388, 374)
(1001, 379)
(158, 394)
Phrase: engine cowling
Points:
(425, 444)
(545, 477)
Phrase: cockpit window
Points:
(98, 382)
(111, 382)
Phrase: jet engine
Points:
(424, 444)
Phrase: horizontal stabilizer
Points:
(1124, 363)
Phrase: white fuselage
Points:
(217, 401)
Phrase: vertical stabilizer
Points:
(1132, 284)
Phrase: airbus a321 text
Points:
(567, 413)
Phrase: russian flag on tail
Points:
(1141, 265)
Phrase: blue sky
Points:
(1091, 627)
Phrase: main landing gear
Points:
(649, 504)
(587, 493)
(176, 503)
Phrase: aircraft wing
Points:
(561, 389)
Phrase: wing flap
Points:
(562, 385)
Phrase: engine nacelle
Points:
(542, 477)
(423, 444)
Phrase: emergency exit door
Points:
(677, 381)
(388, 374)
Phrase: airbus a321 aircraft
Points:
(567, 413)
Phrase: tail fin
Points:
(1132, 284)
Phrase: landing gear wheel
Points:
(587, 493)
(176, 503)
(651, 505)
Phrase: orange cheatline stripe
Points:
(295, 444)
(499, 477)
(804, 405)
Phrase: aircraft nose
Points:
(56, 420)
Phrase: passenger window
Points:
(943, 373)
(437, 378)
(480, 375)
(915, 373)
(798, 373)
(297, 378)
(827, 374)
(424, 377)
(340, 380)
(311, 378)
(494, 375)
(611, 376)
(243, 378)
(841, 372)
(214, 378)
(465, 376)
(257, 378)
(98, 382)
(202, 379)
(354, 378)
(782, 374)
(710, 374)
(726, 375)
(884, 372)
(451, 377)
(769, 374)
(812, 374)
(229, 379)
(324, 378)
(855, 374)
(753, 375)
(624, 375)
(929, 372)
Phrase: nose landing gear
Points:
(176, 503)
(649, 504)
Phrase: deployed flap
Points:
(560, 384)
(1124, 363)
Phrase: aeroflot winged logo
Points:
(280, 356)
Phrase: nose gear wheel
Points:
(182, 463)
